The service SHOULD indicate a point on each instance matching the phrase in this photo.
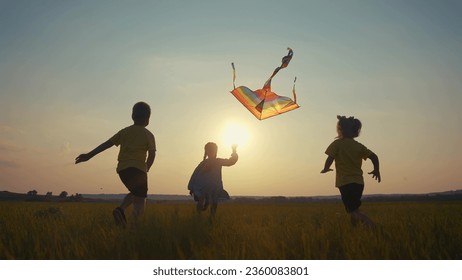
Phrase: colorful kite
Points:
(263, 103)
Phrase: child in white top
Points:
(206, 183)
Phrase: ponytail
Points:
(208, 148)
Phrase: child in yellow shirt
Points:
(136, 156)
(348, 155)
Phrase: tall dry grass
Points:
(44, 230)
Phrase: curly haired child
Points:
(348, 155)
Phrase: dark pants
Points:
(135, 180)
(351, 196)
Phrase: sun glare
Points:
(234, 133)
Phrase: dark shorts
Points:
(135, 180)
(351, 196)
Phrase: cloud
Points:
(8, 164)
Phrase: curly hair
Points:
(348, 127)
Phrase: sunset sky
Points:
(70, 72)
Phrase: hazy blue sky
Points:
(70, 71)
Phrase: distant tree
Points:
(49, 194)
(32, 193)
(63, 194)
(76, 197)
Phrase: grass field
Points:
(86, 231)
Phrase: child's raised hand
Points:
(82, 158)
(326, 170)
(375, 174)
(234, 147)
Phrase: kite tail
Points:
(286, 59)
(234, 74)
(293, 91)
(284, 63)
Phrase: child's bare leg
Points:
(119, 212)
(358, 217)
(128, 200)
(206, 203)
(139, 203)
(213, 209)
(200, 204)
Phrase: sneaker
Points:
(119, 217)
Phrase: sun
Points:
(235, 133)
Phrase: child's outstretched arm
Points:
(84, 157)
(233, 159)
(376, 172)
(327, 164)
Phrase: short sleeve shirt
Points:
(348, 155)
(135, 141)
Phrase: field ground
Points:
(86, 231)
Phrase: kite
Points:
(263, 103)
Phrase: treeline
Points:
(34, 196)
(63, 196)
(368, 198)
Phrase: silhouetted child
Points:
(348, 155)
(206, 183)
(136, 156)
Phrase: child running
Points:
(206, 183)
(348, 154)
(136, 156)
